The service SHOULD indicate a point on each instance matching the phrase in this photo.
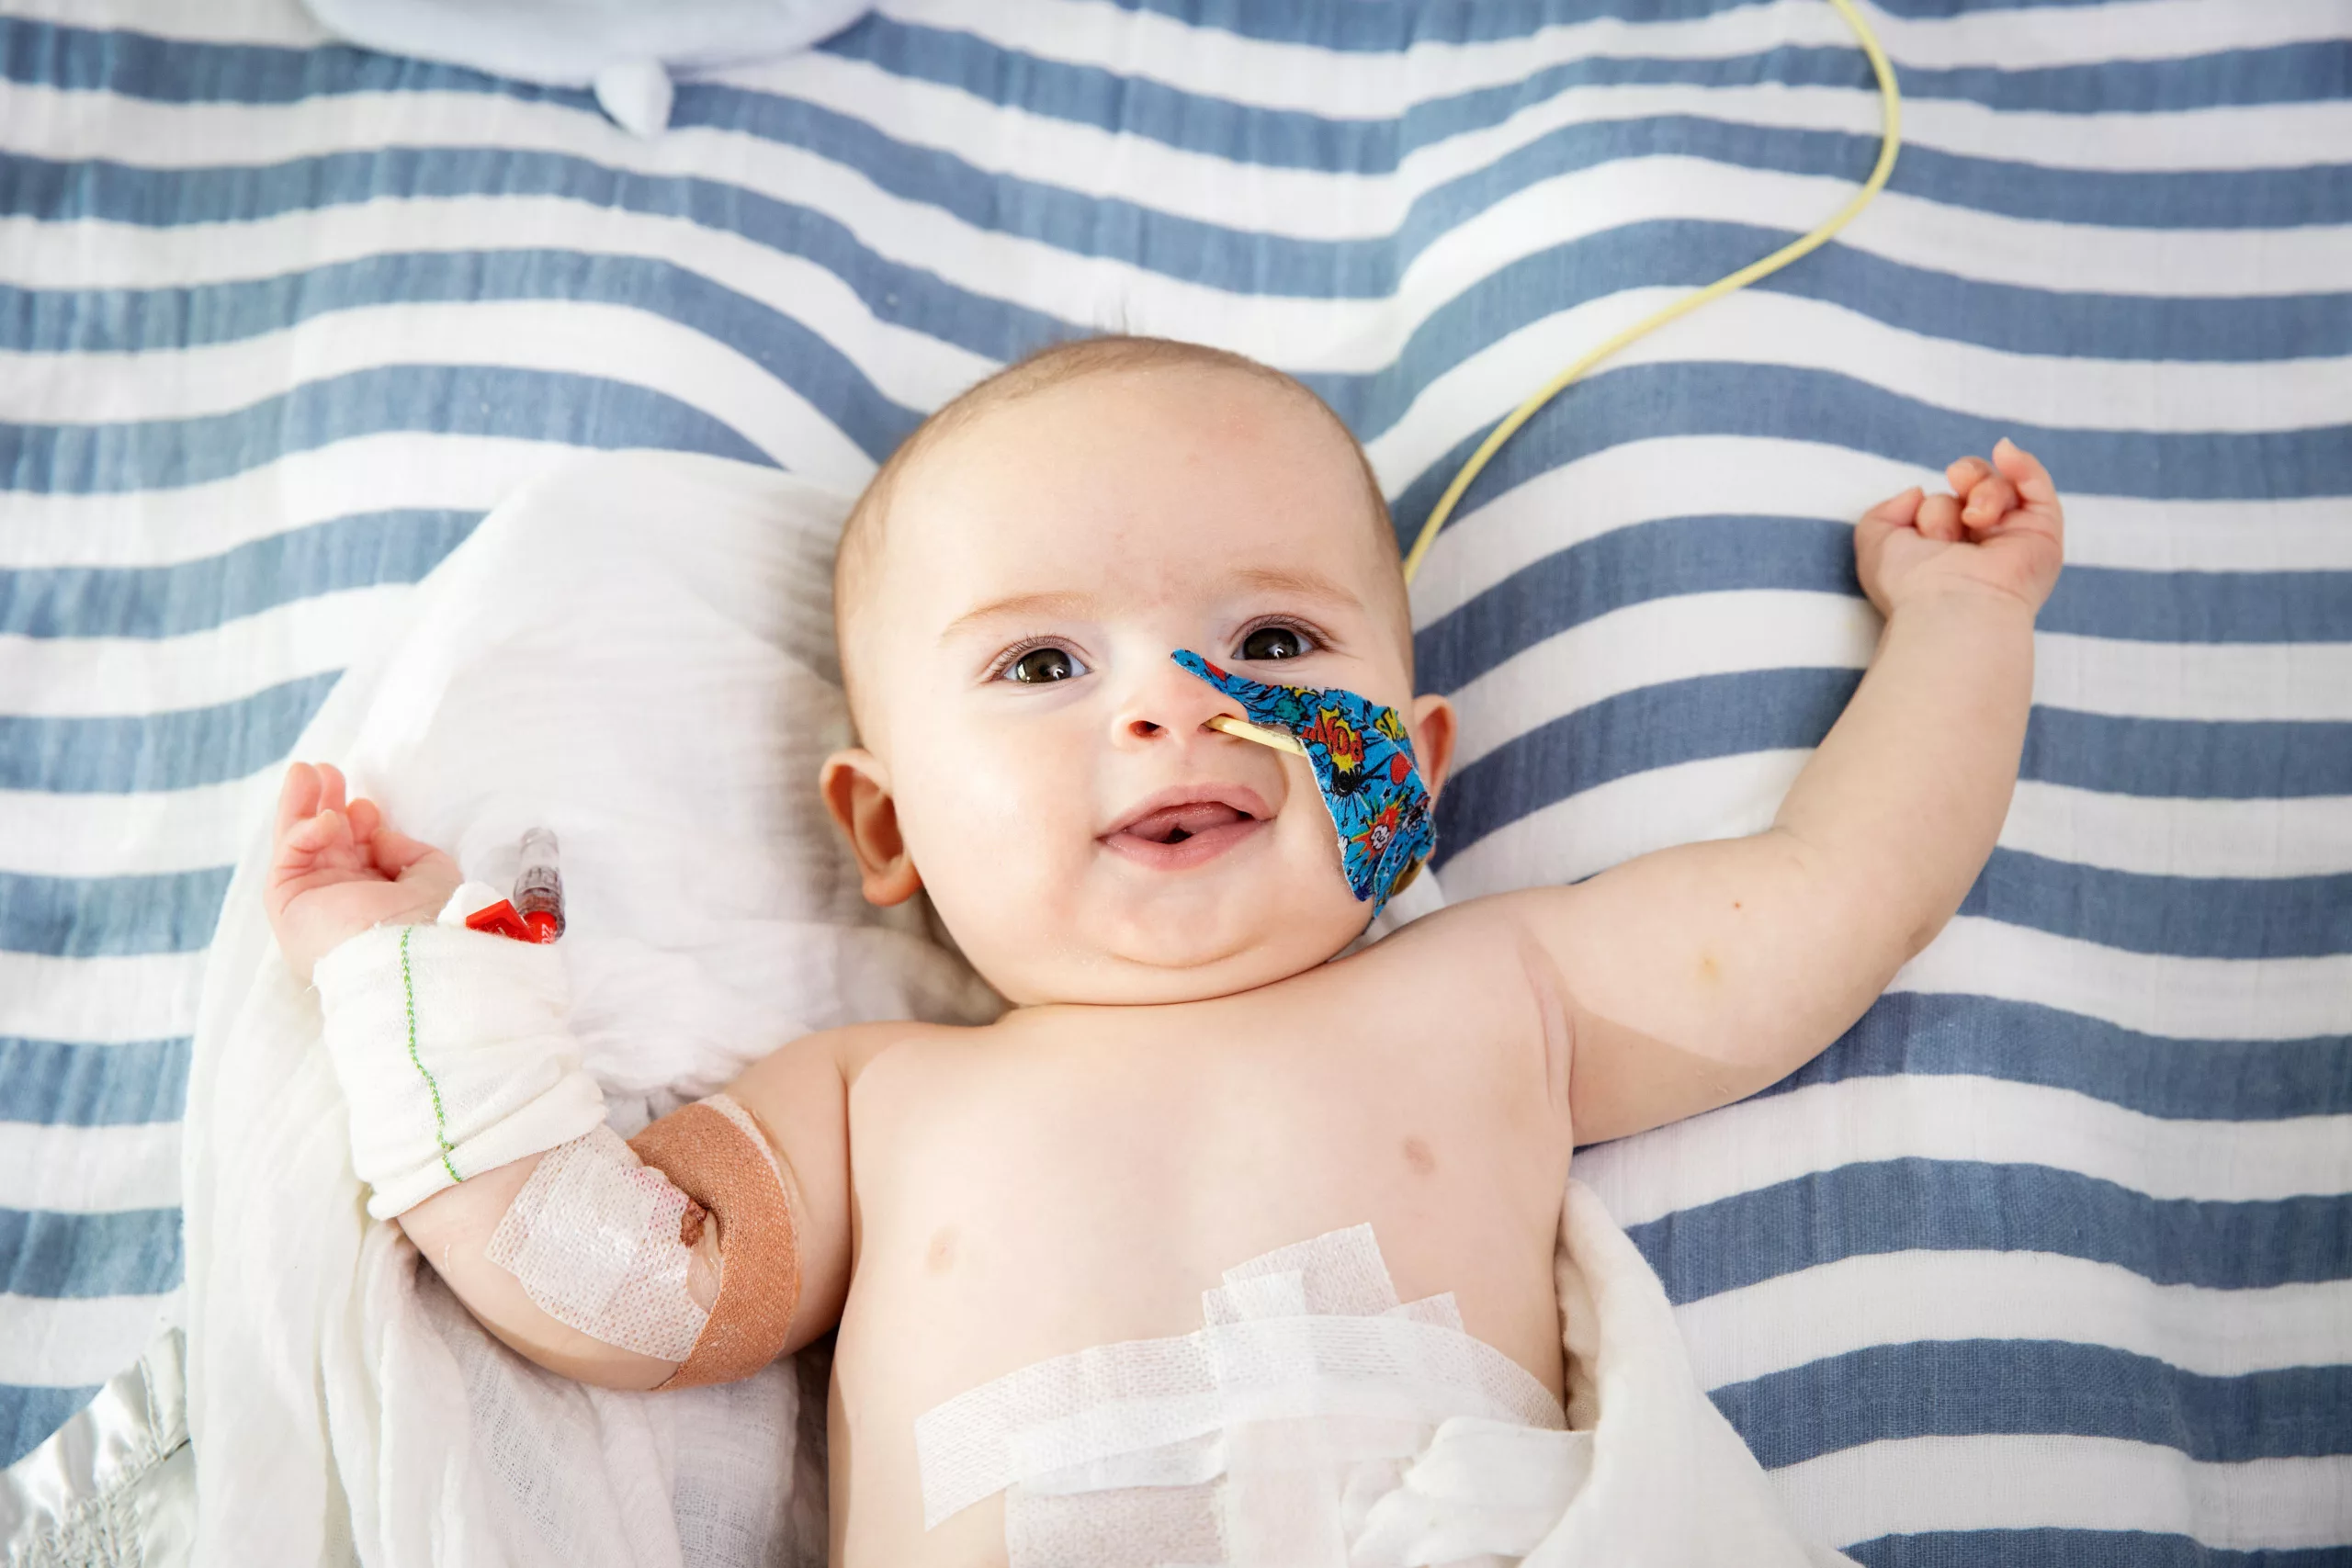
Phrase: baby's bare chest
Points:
(1049, 1196)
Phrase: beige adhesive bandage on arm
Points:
(602, 1243)
(718, 1156)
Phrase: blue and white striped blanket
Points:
(2049, 1260)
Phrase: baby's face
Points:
(1035, 757)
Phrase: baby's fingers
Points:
(2035, 489)
(1989, 501)
(392, 850)
(314, 835)
(396, 853)
(1939, 518)
(1896, 511)
(297, 799)
(1966, 474)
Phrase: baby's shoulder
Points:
(1478, 954)
(859, 1048)
(845, 1055)
(1466, 981)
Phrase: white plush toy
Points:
(628, 52)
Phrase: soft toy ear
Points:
(857, 788)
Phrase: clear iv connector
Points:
(538, 887)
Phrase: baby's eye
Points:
(1273, 642)
(1040, 665)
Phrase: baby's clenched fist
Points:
(337, 870)
(2001, 529)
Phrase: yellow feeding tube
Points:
(1891, 141)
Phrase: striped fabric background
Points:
(2049, 1262)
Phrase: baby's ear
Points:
(1432, 741)
(857, 788)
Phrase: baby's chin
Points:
(1141, 960)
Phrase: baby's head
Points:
(1009, 593)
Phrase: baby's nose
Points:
(1169, 705)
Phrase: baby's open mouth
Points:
(1182, 832)
(1174, 824)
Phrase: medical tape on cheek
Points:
(1362, 756)
(1265, 1437)
(602, 1243)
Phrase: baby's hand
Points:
(2001, 528)
(339, 870)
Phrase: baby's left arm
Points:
(1696, 976)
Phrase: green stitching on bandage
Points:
(440, 1122)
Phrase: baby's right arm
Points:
(796, 1099)
(716, 1240)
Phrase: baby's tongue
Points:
(1175, 823)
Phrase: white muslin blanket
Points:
(638, 652)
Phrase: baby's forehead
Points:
(1184, 455)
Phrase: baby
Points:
(1188, 1076)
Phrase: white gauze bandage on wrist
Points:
(452, 1051)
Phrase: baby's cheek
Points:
(1335, 894)
(1314, 894)
(990, 835)
(976, 786)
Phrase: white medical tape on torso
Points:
(1313, 1419)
